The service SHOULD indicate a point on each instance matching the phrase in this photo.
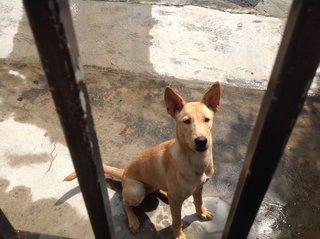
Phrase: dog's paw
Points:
(205, 214)
(134, 225)
(181, 235)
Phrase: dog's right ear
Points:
(212, 97)
(174, 102)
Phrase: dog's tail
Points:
(111, 173)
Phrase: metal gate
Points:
(294, 69)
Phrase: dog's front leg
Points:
(202, 212)
(175, 207)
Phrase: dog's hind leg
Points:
(133, 193)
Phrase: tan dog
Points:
(179, 166)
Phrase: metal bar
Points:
(6, 229)
(294, 69)
(33, 235)
(52, 27)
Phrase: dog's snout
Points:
(201, 142)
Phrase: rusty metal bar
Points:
(52, 27)
(294, 69)
(6, 229)
(33, 235)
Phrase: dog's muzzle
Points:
(201, 143)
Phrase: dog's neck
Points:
(186, 157)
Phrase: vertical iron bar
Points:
(294, 69)
(6, 229)
(52, 27)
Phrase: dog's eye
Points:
(186, 121)
(206, 120)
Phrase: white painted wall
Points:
(195, 43)
(211, 45)
(10, 15)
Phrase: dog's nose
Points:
(200, 142)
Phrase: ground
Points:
(135, 51)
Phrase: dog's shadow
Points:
(149, 204)
(76, 190)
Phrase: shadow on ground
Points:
(29, 215)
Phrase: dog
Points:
(179, 167)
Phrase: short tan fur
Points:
(179, 167)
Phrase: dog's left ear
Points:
(174, 102)
(212, 97)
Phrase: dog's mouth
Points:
(201, 149)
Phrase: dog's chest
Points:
(195, 178)
(198, 171)
(191, 171)
(190, 181)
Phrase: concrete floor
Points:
(129, 115)
(125, 84)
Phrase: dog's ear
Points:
(212, 97)
(174, 102)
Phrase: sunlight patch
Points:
(210, 45)
(11, 14)
(29, 158)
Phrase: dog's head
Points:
(194, 119)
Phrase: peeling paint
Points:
(83, 103)
(79, 72)
(16, 73)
